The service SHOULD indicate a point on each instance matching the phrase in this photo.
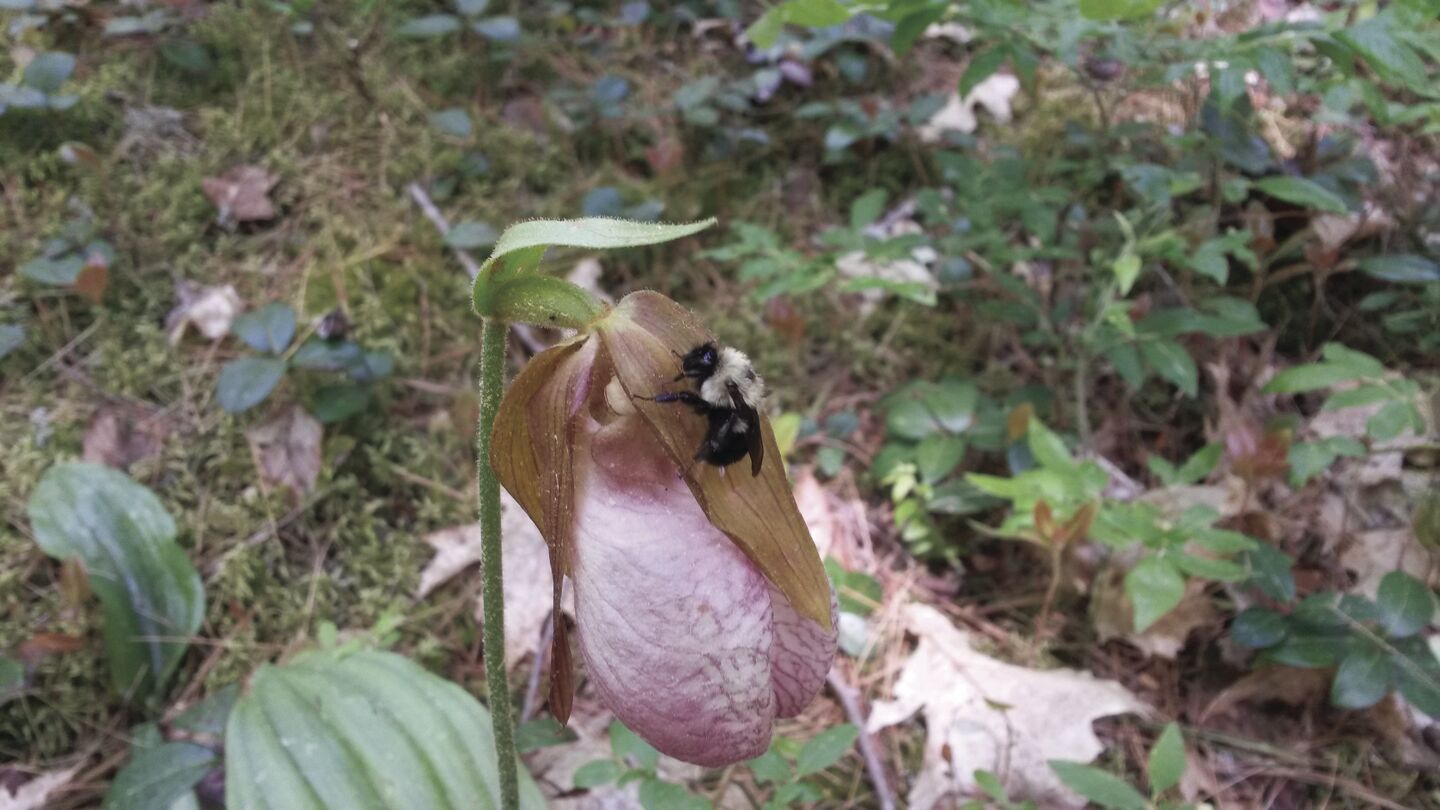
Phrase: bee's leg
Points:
(685, 397)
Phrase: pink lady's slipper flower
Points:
(703, 611)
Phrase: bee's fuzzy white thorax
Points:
(733, 367)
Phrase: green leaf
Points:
(1309, 377)
(658, 795)
(498, 29)
(626, 744)
(597, 773)
(1172, 362)
(1270, 572)
(338, 402)
(1304, 192)
(47, 71)
(1357, 397)
(1405, 604)
(825, 749)
(1391, 420)
(1362, 364)
(1106, 10)
(525, 242)
(981, 67)
(455, 122)
(1417, 674)
(57, 271)
(868, 207)
(922, 409)
(1126, 270)
(157, 777)
(470, 234)
(1258, 627)
(1218, 570)
(1047, 447)
(1209, 260)
(361, 729)
(770, 767)
(12, 337)
(1308, 459)
(766, 29)
(429, 26)
(1155, 587)
(12, 678)
(1362, 679)
(1402, 269)
(245, 383)
(938, 456)
(816, 13)
(1105, 789)
(1389, 56)
(151, 594)
(1199, 465)
(210, 715)
(541, 733)
(1167, 760)
(268, 329)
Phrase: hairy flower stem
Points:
(492, 384)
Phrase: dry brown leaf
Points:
(837, 524)
(1289, 685)
(210, 309)
(242, 194)
(982, 713)
(1114, 616)
(287, 450)
(1373, 554)
(35, 794)
(526, 567)
(119, 437)
(1226, 498)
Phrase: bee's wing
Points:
(754, 437)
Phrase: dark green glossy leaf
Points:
(336, 403)
(1170, 360)
(982, 66)
(246, 382)
(1362, 679)
(151, 594)
(1304, 192)
(47, 71)
(1405, 604)
(1257, 628)
(471, 234)
(156, 777)
(12, 337)
(1417, 674)
(267, 329)
(1402, 269)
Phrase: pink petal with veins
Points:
(674, 621)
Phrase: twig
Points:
(523, 333)
(850, 700)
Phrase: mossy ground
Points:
(342, 118)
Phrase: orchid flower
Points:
(703, 611)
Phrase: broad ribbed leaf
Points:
(120, 532)
(366, 729)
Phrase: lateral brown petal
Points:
(530, 454)
(758, 513)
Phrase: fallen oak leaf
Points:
(118, 438)
(985, 714)
(210, 310)
(526, 564)
(241, 194)
(287, 450)
(35, 793)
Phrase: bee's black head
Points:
(700, 361)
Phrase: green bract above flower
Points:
(703, 609)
